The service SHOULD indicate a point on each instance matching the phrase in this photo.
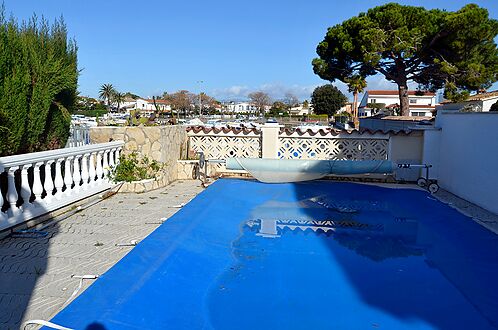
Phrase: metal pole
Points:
(200, 99)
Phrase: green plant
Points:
(327, 99)
(433, 48)
(38, 81)
(132, 167)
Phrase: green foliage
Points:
(494, 106)
(327, 99)
(433, 48)
(106, 92)
(318, 117)
(38, 81)
(131, 167)
(278, 109)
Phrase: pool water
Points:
(312, 255)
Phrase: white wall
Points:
(468, 161)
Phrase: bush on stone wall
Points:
(133, 167)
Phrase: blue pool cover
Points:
(313, 255)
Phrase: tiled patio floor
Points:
(35, 273)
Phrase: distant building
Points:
(146, 107)
(242, 107)
(300, 110)
(422, 104)
(478, 102)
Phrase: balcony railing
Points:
(37, 183)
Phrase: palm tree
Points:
(107, 92)
(119, 98)
(356, 84)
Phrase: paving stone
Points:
(35, 273)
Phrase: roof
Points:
(476, 97)
(409, 118)
(483, 96)
(391, 92)
(157, 101)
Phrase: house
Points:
(146, 107)
(481, 102)
(300, 110)
(241, 107)
(421, 103)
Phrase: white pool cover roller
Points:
(295, 170)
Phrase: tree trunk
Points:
(404, 104)
(355, 108)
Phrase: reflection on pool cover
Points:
(314, 255)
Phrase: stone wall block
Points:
(137, 134)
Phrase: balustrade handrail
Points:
(42, 156)
(40, 182)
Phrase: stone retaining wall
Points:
(165, 144)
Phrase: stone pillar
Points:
(269, 140)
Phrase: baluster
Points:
(3, 216)
(25, 189)
(117, 154)
(48, 184)
(92, 171)
(12, 196)
(112, 156)
(37, 185)
(106, 164)
(84, 171)
(58, 182)
(68, 178)
(100, 171)
(76, 173)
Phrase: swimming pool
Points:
(312, 255)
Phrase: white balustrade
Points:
(48, 184)
(58, 181)
(82, 176)
(3, 216)
(37, 185)
(100, 170)
(12, 195)
(25, 190)
(76, 174)
(91, 171)
(84, 171)
(68, 177)
(111, 158)
(105, 166)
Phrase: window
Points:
(373, 100)
(413, 101)
(418, 114)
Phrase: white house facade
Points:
(479, 102)
(420, 103)
(239, 107)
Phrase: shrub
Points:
(133, 167)
(38, 81)
(494, 107)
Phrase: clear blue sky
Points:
(235, 47)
